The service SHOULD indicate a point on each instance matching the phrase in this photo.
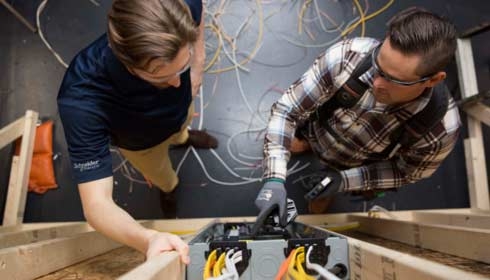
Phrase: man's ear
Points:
(436, 79)
(130, 70)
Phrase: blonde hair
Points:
(140, 31)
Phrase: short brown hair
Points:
(417, 31)
(140, 31)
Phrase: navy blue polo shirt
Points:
(101, 103)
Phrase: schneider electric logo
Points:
(87, 165)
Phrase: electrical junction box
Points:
(263, 254)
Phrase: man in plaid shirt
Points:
(406, 66)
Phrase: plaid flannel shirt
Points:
(363, 131)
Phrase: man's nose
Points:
(379, 81)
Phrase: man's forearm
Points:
(107, 218)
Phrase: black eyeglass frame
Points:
(387, 77)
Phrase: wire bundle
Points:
(293, 267)
(224, 267)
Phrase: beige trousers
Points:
(155, 163)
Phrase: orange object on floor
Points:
(41, 177)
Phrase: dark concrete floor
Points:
(30, 78)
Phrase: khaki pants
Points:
(155, 163)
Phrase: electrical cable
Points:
(301, 14)
(350, 28)
(257, 43)
(284, 266)
(300, 260)
(39, 10)
(211, 260)
(295, 269)
(219, 265)
(361, 15)
(230, 262)
(215, 180)
(318, 268)
(377, 208)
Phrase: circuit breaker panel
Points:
(261, 256)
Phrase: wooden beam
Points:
(17, 193)
(479, 112)
(33, 226)
(190, 225)
(372, 262)
(107, 266)
(477, 189)
(10, 211)
(38, 259)
(461, 220)
(18, 15)
(459, 241)
(164, 266)
(11, 239)
(474, 148)
(11, 132)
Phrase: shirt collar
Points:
(121, 77)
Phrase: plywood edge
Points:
(40, 258)
(471, 243)
(165, 266)
(368, 261)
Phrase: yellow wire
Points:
(209, 265)
(218, 49)
(301, 15)
(256, 47)
(183, 232)
(292, 273)
(361, 14)
(294, 270)
(350, 28)
(299, 265)
(220, 264)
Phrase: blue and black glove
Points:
(329, 182)
(272, 196)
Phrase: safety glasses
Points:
(387, 77)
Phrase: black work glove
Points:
(272, 196)
(329, 182)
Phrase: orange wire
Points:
(284, 266)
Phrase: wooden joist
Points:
(10, 239)
(470, 243)
(453, 219)
(372, 262)
(164, 266)
(21, 166)
(473, 146)
(480, 112)
(33, 260)
(40, 258)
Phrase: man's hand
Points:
(162, 241)
(329, 184)
(272, 196)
